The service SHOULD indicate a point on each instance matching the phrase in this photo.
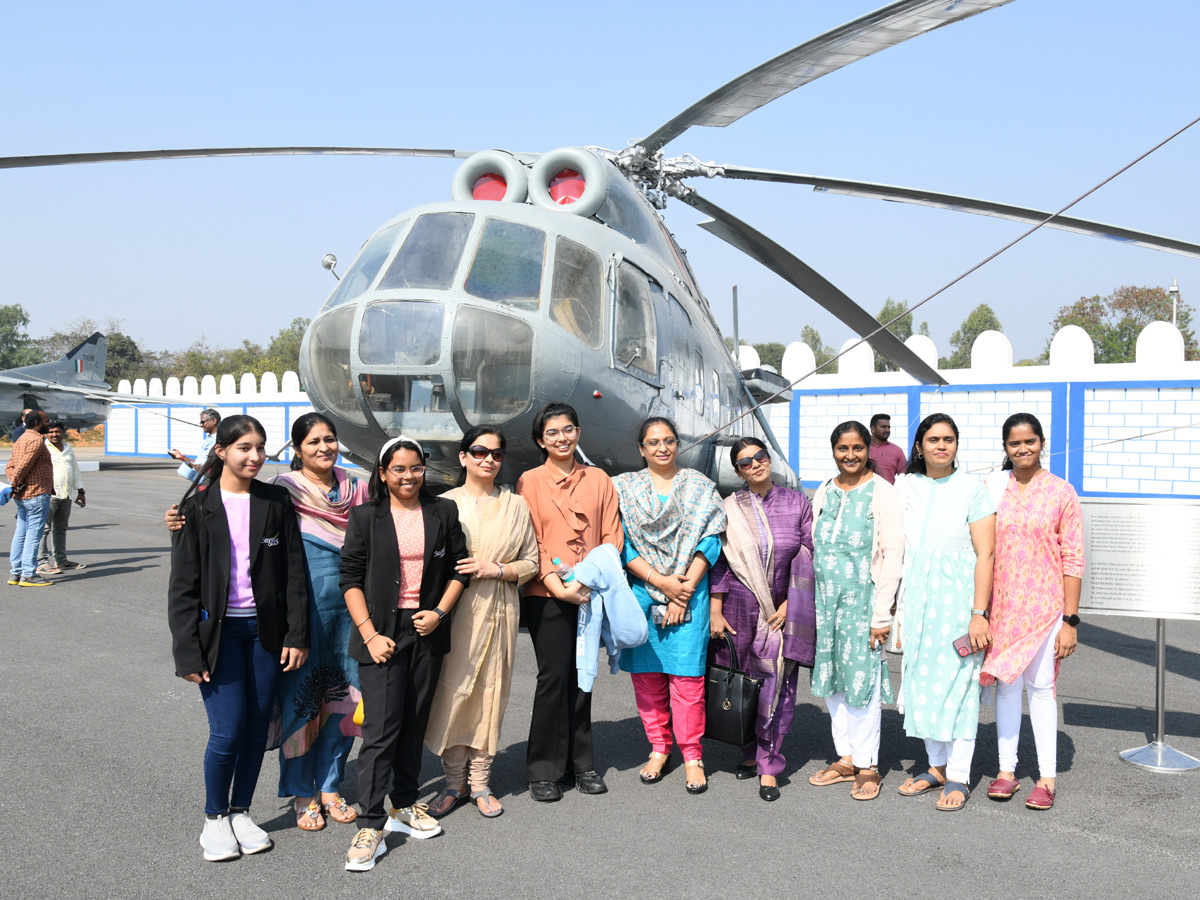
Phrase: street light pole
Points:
(1173, 290)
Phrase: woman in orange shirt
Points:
(574, 509)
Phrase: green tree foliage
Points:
(901, 328)
(771, 354)
(16, 348)
(823, 353)
(1115, 321)
(981, 319)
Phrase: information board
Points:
(1142, 557)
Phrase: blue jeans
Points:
(31, 519)
(240, 701)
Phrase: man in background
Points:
(20, 429)
(68, 488)
(890, 460)
(209, 420)
(31, 474)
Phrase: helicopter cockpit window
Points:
(698, 381)
(356, 281)
(635, 342)
(508, 264)
(577, 294)
(492, 357)
(430, 255)
(401, 333)
(329, 364)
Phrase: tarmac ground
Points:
(101, 749)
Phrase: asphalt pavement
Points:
(101, 788)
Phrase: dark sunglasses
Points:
(746, 462)
(478, 451)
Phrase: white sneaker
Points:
(250, 837)
(218, 841)
(413, 820)
(366, 847)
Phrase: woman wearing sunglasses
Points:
(471, 696)
(762, 596)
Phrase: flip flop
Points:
(861, 779)
(458, 797)
(927, 778)
(843, 772)
(949, 787)
(485, 794)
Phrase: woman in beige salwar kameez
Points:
(472, 693)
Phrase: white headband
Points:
(396, 440)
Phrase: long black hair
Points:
(473, 434)
(231, 430)
(741, 445)
(916, 462)
(1012, 422)
(377, 490)
(300, 429)
(544, 415)
(861, 430)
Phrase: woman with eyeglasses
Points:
(673, 520)
(762, 596)
(574, 509)
(400, 580)
(472, 693)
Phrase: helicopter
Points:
(552, 276)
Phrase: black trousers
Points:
(560, 732)
(397, 696)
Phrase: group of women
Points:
(317, 602)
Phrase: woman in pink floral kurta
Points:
(1035, 602)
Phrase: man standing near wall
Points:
(68, 488)
(209, 420)
(890, 460)
(31, 474)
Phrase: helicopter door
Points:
(635, 337)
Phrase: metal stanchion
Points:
(1158, 756)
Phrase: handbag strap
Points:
(733, 657)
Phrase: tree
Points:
(810, 336)
(283, 353)
(16, 349)
(1115, 321)
(771, 354)
(980, 320)
(901, 328)
(125, 359)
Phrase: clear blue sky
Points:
(1030, 103)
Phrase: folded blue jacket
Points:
(612, 615)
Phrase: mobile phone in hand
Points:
(962, 646)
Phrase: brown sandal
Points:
(862, 778)
(339, 810)
(309, 818)
(841, 771)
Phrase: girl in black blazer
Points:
(237, 607)
(399, 581)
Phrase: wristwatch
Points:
(980, 612)
(442, 615)
(1072, 620)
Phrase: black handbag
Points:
(730, 700)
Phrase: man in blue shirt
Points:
(209, 420)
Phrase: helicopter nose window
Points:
(401, 333)
(491, 357)
(576, 297)
(430, 255)
(508, 264)
(329, 365)
(356, 281)
(389, 397)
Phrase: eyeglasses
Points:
(411, 470)
(551, 434)
(665, 442)
(746, 462)
(478, 451)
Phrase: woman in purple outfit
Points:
(762, 591)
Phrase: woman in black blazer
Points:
(237, 606)
(399, 582)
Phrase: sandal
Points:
(926, 778)
(866, 784)
(309, 818)
(1003, 788)
(340, 811)
(840, 772)
(951, 787)
(656, 776)
(457, 798)
(485, 795)
(696, 787)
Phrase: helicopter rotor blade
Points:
(956, 203)
(69, 159)
(855, 40)
(790, 268)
